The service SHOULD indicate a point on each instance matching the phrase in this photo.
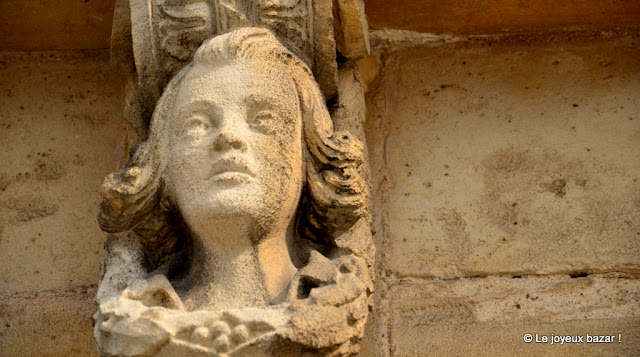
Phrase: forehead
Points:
(237, 81)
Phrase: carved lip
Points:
(231, 169)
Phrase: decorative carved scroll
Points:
(240, 226)
(166, 33)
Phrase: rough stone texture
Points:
(56, 323)
(352, 31)
(498, 16)
(490, 316)
(240, 226)
(61, 130)
(514, 157)
(48, 323)
(459, 130)
(43, 25)
(77, 25)
(165, 36)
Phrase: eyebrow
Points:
(197, 105)
(261, 99)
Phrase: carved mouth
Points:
(233, 169)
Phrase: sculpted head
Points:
(241, 133)
(235, 153)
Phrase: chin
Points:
(235, 205)
(250, 206)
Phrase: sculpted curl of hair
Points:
(334, 194)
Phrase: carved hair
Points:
(334, 195)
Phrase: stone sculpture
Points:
(160, 37)
(240, 226)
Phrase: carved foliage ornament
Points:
(240, 226)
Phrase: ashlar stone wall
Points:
(62, 131)
(506, 192)
(508, 196)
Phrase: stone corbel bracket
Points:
(154, 39)
(328, 299)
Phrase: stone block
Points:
(62, 131)
(495, 16)
(352, 31)
(490, 317)
(48, 324)
(44, 25)
(514, 157)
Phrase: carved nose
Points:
(228, 141)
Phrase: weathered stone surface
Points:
(514, 157)
(121, 39)
(48, 324)
(352, 31)
(43, 25)
(483, 17)
(61, 130)
(240, 226)
(424, 317)
(77, 25)
(165, 35)
(325, 56)
(490, 316)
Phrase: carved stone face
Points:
(235, 147)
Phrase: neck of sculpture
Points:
(235, 268)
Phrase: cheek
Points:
(185, 165)
(281, 157)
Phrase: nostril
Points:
(226, 141)
(236, 145)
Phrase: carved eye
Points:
(196, 126)
(262, 120)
